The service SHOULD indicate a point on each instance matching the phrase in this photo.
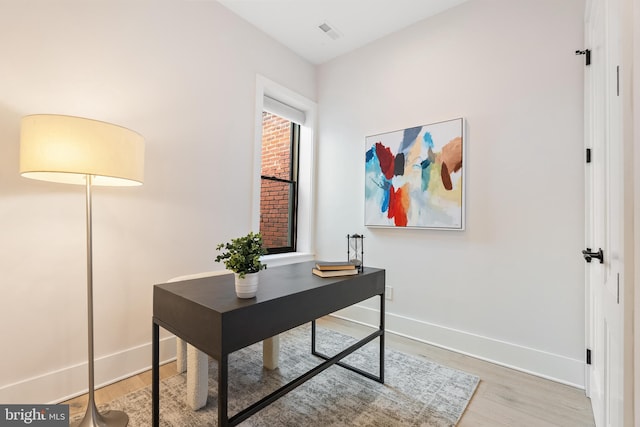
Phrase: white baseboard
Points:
(64, 384)
(72, 381)
(547, 365)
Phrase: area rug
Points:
(417, 391)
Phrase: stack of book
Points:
(334, 269)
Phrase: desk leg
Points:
(155, 375)
(313, 337)
(271, 352)
(382, 298)
(223, 388)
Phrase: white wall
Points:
(633, 25)
(181, 73)
(510, 287)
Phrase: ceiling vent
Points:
(330, 31)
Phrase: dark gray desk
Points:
(207, 314)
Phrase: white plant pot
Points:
(247, 287)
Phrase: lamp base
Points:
(93, 418)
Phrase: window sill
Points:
(288, 258)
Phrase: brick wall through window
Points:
(274, 195)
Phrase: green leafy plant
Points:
(242, 255)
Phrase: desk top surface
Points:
(217, 293)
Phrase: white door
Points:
(604, 192)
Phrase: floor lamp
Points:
(75, 150)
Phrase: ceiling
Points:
(294, 23)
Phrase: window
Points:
(291, 179)
(278, 183)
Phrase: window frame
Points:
(305, 218)
(294, 146)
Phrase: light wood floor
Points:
(505, 397)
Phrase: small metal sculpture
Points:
(355, 250)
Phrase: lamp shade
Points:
(66, 149)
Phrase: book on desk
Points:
(334, 269)
(337, 265)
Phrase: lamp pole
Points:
(92, 417)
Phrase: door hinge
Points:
(587, 53)
(588, 255)
(588, 356)
(618, 80)
(588, 155)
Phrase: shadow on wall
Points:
(10, 147)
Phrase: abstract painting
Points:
(415, 177)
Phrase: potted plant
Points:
(242, 256)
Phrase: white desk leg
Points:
(198, 371)
(181, 355)
(271, 352)
(197, 377)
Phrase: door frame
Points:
(631, 53)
